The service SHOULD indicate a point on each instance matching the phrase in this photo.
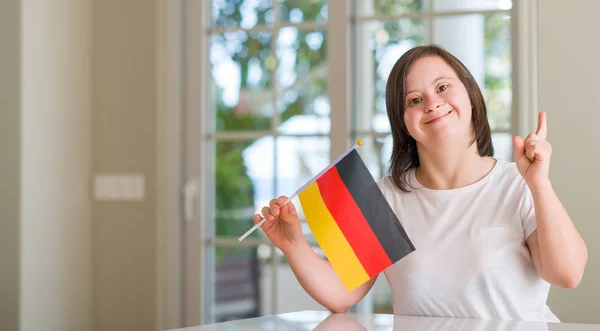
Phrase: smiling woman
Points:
(448, 177)
(443, 102)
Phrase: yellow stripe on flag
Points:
(331, 239)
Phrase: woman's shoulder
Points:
(388, 186)
(508, 179)
(385, 183)
(507, 171)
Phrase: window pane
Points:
(299, 159)
(498, 69)
(382, 296)
(239, 283)
(291, 297)
(503, 145)
(241, 68)
(471, 5)
(302, 81)
(242, 13)
(378, 45)
(280, 170)
(483, 44)
(243, 182)
(376, 152)
(300, 11)
(386, 7)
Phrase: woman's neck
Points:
(448, 168)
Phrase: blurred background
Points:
(139, 137)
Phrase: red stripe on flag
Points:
(352, 222)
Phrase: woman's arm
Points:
(558, 250)
(320, 281)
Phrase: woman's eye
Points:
(442, 87)
(414, 101)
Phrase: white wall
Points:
(124, 141)
(569, 90)
(55, 165)
(10, 164)
(55, 56)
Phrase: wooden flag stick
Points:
(259, 224)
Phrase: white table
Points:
(322, 320)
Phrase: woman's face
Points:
(437, 105)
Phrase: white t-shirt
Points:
(471, 258)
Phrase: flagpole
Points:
(332, 164)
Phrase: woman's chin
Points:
(442, 132)
(447, 136)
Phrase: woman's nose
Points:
(433, 102)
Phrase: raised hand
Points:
(532, 155)
(283, 225)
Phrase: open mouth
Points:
(439, 118)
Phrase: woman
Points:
(490, 236)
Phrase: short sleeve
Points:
(527, 213)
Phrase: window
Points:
(280, 105)
(269, 132)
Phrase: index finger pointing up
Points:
(542, 129)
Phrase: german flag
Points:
(353, 223)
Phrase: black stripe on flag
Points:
(374, 206)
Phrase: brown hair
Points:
(404, 153)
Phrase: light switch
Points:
(119, 187)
